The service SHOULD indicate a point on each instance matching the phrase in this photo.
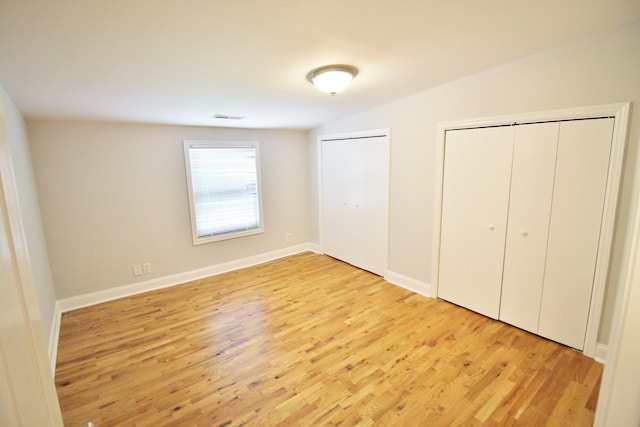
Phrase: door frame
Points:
(618, 395)
(620, 113)
(382, 132)
(27, 388)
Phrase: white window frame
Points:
(197, 240)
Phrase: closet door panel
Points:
(342, 234)
(352, 183)
(355, 188)
(477, 166)
(331, 208)
(377, 202)
(574, 232)
(532, 178)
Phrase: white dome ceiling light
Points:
(332, 78)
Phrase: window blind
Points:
(224, 186)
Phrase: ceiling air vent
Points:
(227, 117)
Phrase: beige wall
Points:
(599, 70)
(30, 210)
(114, 195)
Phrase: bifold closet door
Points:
(343, 188)
(475, 199)
(533, 171)
(582, 168)
(355, 186)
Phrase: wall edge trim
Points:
(54, 336)
(409, 283)
(601, 353)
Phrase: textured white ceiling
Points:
(181, 62)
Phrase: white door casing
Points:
(27, 391)
(541, 278)
(574, 231)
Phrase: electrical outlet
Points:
(289, 236)
(146, 267)
(137, 270)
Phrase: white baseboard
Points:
(409, 283)
(54, 335)
(315, 248)
(80, 301)
(601, 353)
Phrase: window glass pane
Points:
(225, 189)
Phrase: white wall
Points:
(598, 70)
(115, 194)
(30, 210)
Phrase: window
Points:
(224, 189)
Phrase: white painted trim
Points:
(27, 388)
(587, 112)
(600, 354)
(54, 336)
(320, 190)
(620, 112)
(409, 283)
(315, 248)
(607, 228)
(629, 279)
(80, 301)
(384, 132)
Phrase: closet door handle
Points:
(524, 232)
(491, 227)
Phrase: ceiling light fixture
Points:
(226, 117)
(332, 78)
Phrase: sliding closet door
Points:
(475, 198)
(581, 177)
(355, 182)
(532, 176)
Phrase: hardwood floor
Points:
(308, 340)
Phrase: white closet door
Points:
(355, 181)
(377, 204)
(344, 234)
(574, 232)
(475, 198)
(352, 187)
(532, 176)
(331, 202)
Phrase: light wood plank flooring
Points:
(308, 340)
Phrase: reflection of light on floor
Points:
(239, 335)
